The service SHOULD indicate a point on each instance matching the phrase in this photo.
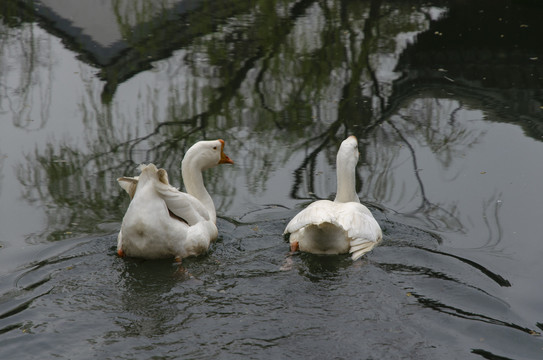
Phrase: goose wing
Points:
(182, 205)
(362, 228)
(129, 184)
(316, 213)
(354, 218)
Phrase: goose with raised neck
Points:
(162, 221)
(340, 226)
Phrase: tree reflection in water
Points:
(282, 82)
(277, 82)
(303, 75)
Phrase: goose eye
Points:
(214, 148)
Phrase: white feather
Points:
(183, 205)
(339, 226)
(162, 221)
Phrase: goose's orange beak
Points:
(224, 158)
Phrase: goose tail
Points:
(360, 246)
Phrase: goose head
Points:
(347, 158)
(206, 154)
(347, 155)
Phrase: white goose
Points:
(163, 222)
(339, 226)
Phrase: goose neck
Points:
(194, 185)
(346, 184)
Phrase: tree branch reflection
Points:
(306, 77)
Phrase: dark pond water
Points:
(445, 98)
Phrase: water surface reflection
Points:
(445, 165)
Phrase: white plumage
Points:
(162, 221)
(340, 226)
